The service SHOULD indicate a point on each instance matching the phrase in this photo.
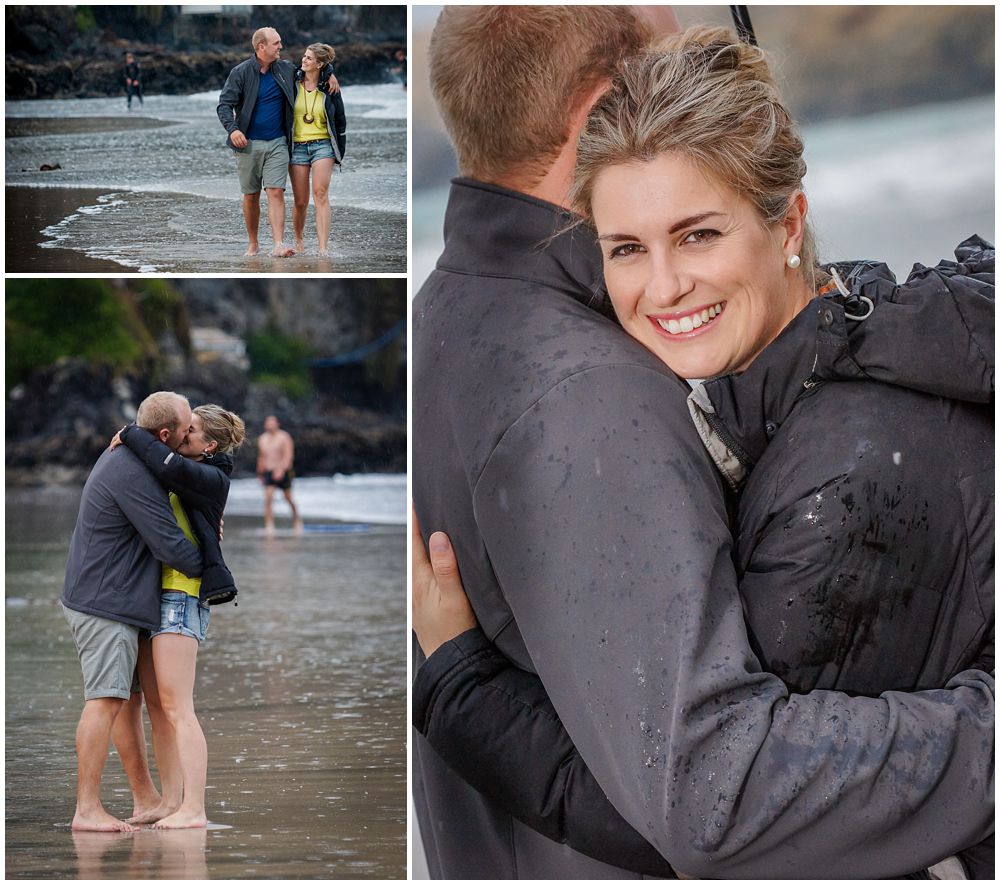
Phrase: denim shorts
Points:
(180, 613)
(305, 153)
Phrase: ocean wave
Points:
(378, 499)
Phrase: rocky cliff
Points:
(350, 417)
(77, 52)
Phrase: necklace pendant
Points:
(308, 118)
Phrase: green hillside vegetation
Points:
(47, 320)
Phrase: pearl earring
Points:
(794, 261)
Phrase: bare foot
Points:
(300, 246)
(150, 815)
(252, 249)
(100, 822)
(298, 527)
(324, 253)
(280, 250)
(182, 820)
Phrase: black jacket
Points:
(203, 487)
(336, 118)
(594, 543)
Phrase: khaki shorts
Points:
(108, 651)
(263, 164)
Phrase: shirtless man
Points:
(275, 455)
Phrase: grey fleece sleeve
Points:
(229, 100)
(605, 523)
(146, 506)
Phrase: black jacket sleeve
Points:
(200, 486)
(335, 108)
(554, 792)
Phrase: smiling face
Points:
(693, 272)
(270, 50)
(309, 63)
(197, 443)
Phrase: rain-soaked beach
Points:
(301, 692)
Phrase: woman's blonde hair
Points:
(225, 428)
(324, 53)
(712, 98)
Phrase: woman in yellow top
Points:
(320, 138)
(198, 486)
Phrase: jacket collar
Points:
(736, 415)
(490, 231)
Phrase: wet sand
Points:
(157, 228)
(32, 209)
(19, 127)
(301, 693)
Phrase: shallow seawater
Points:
(172, 200)
(301, 693)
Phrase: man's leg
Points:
(269, 510)
(93, 734)
(129, 739)
(296, 522)
(276, 218)
(251, 217)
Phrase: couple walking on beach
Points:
(145, 563)
(282, 119)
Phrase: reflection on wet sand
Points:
(301, 693)
(174, 854)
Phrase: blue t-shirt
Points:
(268, 120)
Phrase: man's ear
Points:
(163, 435)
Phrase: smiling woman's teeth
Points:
(692, 321)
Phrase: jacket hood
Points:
(224, 462)
(933, 333)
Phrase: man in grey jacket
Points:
(125, 530)
(591, 531)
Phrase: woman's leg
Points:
(168, 763)
(322, 170)
(300, 192)
(174, 660)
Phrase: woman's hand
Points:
(116, 440)
(441, 610)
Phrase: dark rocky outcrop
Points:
(77, 52)
(61, 416)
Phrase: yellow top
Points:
(173, 579)
(313, 104)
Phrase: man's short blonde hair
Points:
(508, 79)
(161, 410)
(260, 36)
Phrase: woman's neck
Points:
(311, 80)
